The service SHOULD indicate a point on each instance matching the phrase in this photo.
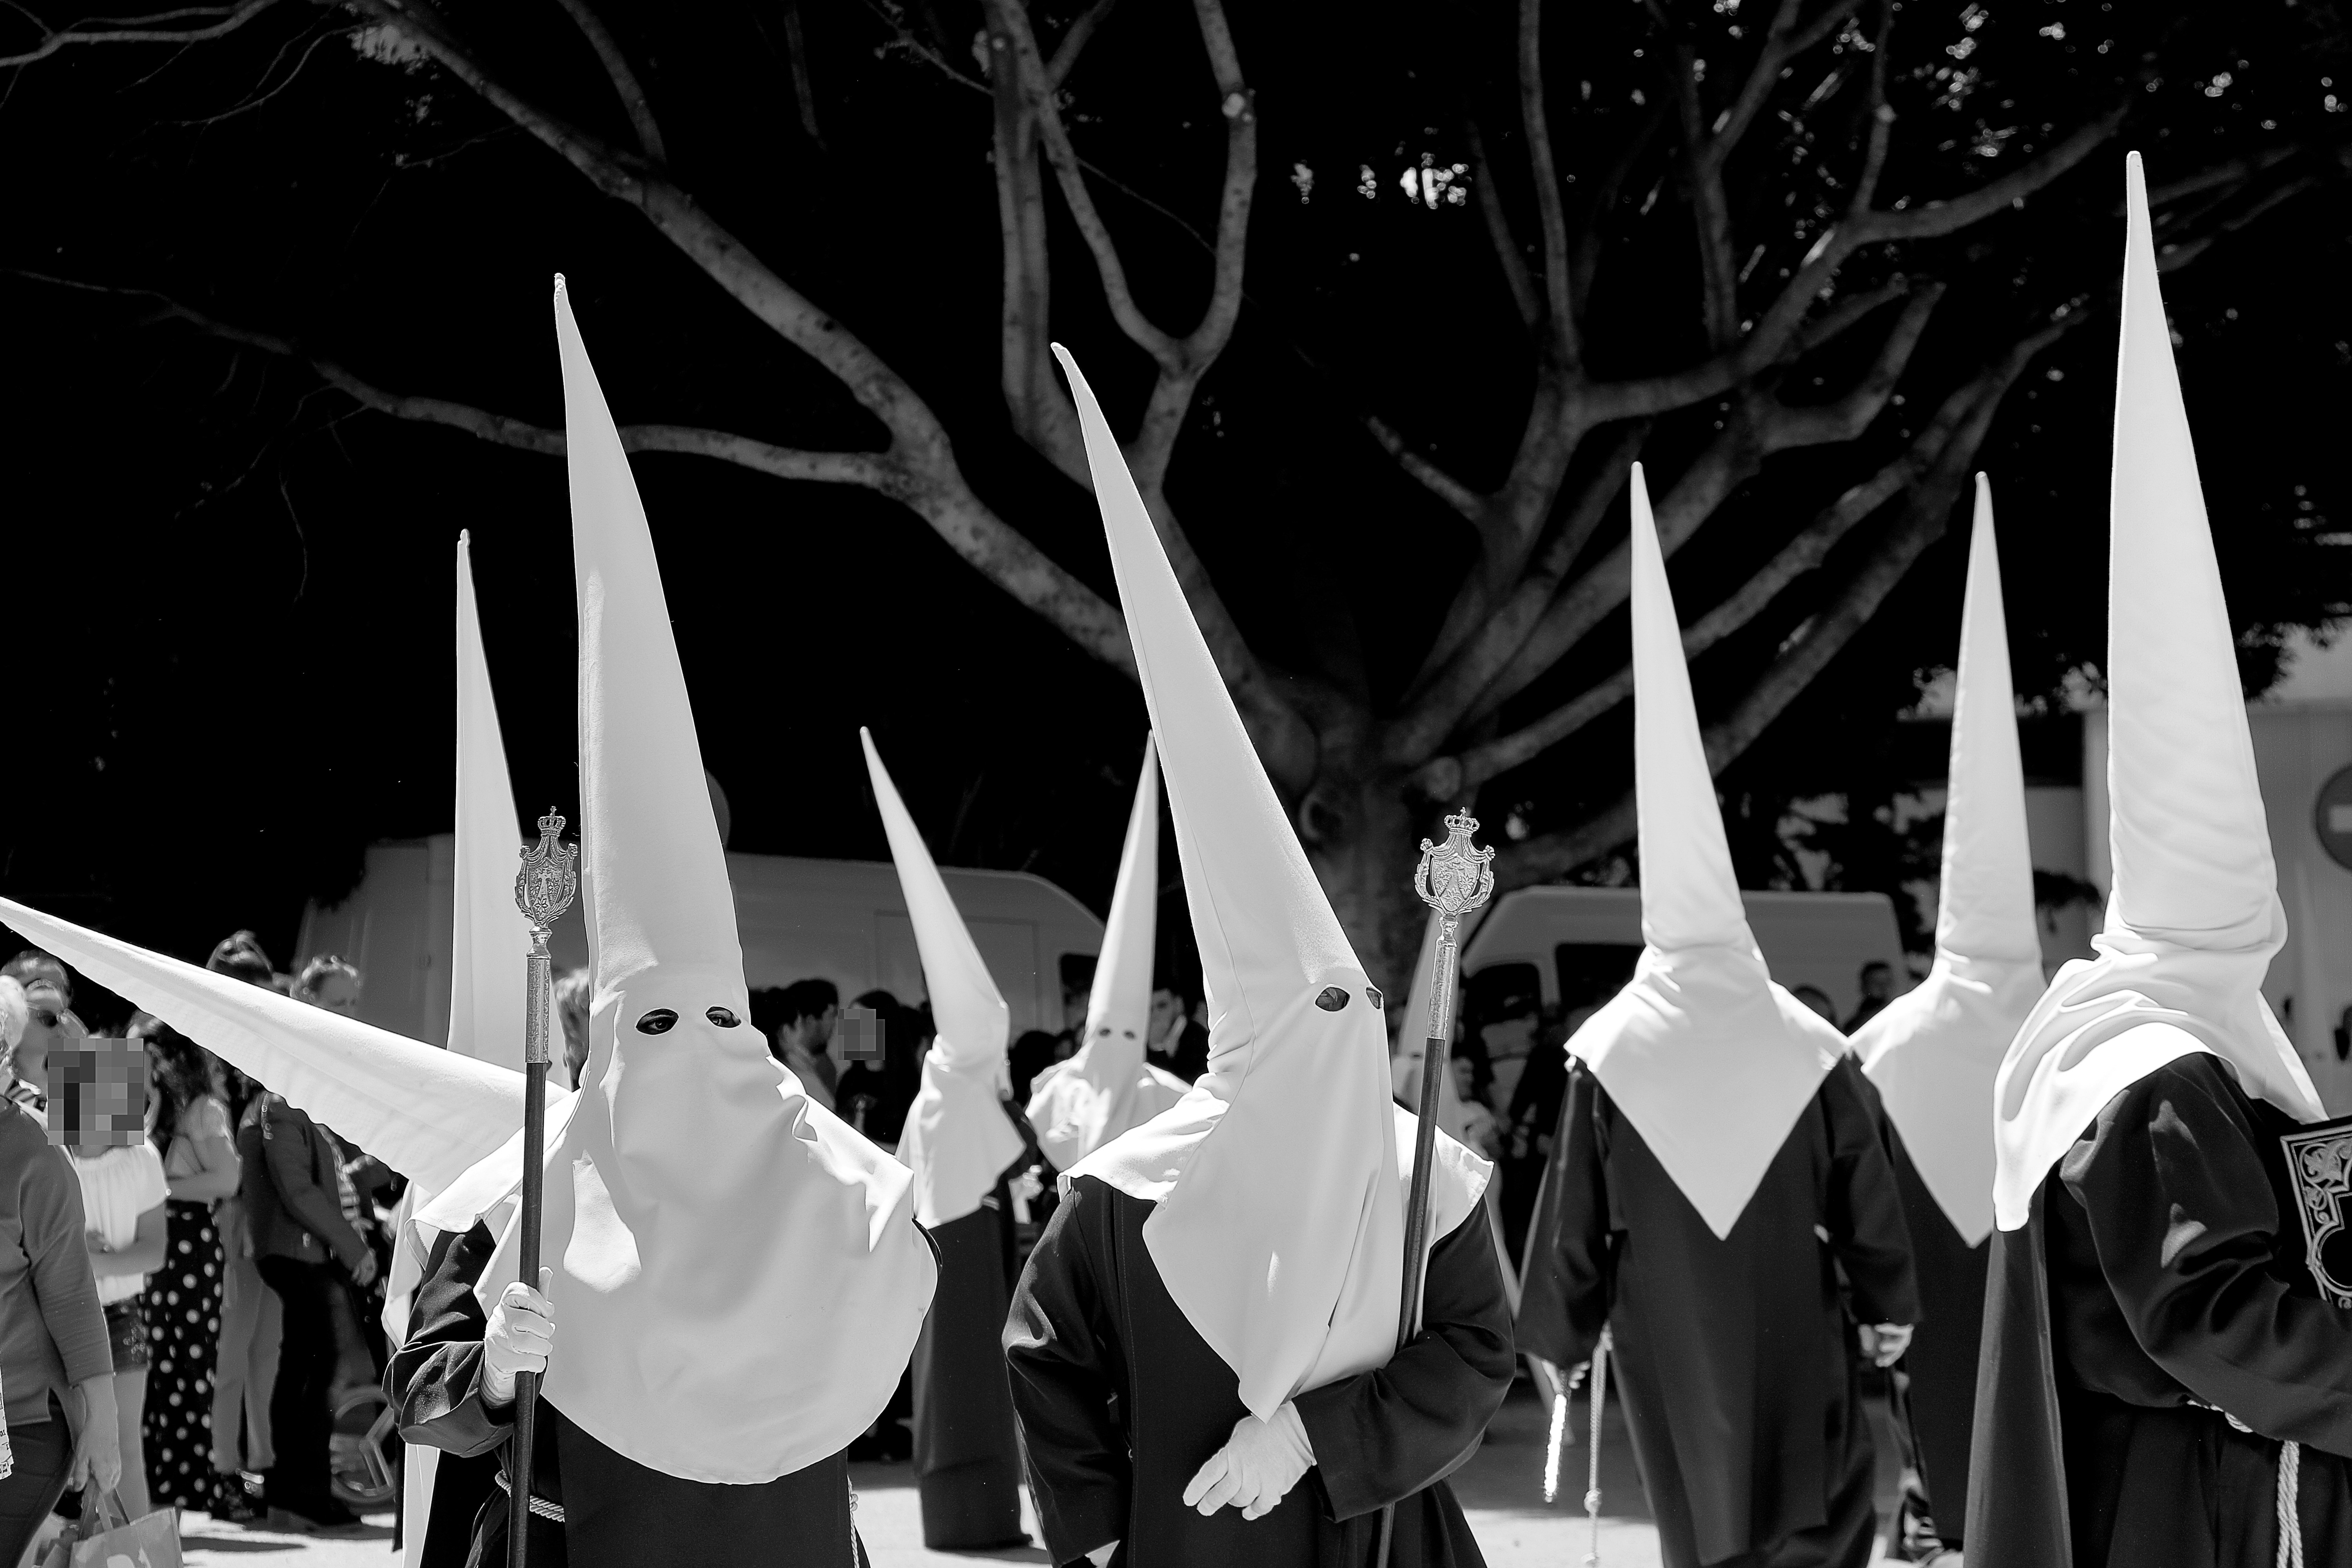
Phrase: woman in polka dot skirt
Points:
(183, 1307)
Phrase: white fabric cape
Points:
(958, 1141)
(1710, 1060)
(1935, 1051)
(1279, 1230)
(2194, 917)
(1107, 1087)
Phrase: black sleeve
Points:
(1864, 1214)
(1059, 1349)
(434, 1380)
(2180, 1207)
(1564, 1303)
(1381, 1436)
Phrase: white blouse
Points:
(117, 1188)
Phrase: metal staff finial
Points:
(1453, 879)
(544, 888)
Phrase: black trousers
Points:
(42, 1452)
(298, 1420)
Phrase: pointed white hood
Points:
(2194, 917)
(426, 1112)
(1107, 1087)
(707, 1223)
(1279, 1178)
(1934, 1051)
(1710, 1059)
(958, 1140)
(485, 973)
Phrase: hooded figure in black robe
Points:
(1930, 1056)
(1205, 1346)
(1717, 1160)
(2165, 1382)
(961, 1137)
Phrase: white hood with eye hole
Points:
(706, 1222)
(1107, 1087)
(1280, 1177)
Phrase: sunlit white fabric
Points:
(2194, 917)
(1710, 1060)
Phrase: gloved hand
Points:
(1884, 1343)
(520, 1333)
(1256, 1467)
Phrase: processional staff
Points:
(544, 888)
(1453, 879)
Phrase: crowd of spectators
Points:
(181, 1314)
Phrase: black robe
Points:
(617, 1513)
(2161, 1262)
(1121, 1401)
(966, 1453)
(1942, 1360)
(1733, 1357)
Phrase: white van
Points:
(843, 920)
(1577, 945)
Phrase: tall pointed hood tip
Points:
(957, 1138)
(1289, 1295)
(2194, 917)
(1690, 897)
(1935, 1051)
(1709, 1061)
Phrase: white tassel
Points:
(2290, 1522)
(1592, 1471)
(1556, 1440)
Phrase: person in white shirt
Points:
(123, 1194)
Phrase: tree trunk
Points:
(1361, 831)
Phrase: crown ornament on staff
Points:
(1454, 876)
(1453, 879)
(549, 878)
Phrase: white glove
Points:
(521, 1332)
(1256, 1467)
(1884, 1343)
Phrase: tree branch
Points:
(1819, 640)
(1498, 230)
(624, 80)
(1464, 500)
(1074, 42)
(1710, 216)
(1558, 309)
(1437, 703)
(219, 21)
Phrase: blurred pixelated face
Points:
(1465, 1075)
(97, 1095)
(1166, 1008)
(337, 992)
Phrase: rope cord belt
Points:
(554, 1511)
(2289, 1489)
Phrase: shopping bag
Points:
(105, 1537)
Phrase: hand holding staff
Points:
(544, 888)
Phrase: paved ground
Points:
(1501, 1489)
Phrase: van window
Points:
(1592, 972)
(1501, 991)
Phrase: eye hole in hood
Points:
(1331, 998)
(722, 1017)
(660, 1021)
